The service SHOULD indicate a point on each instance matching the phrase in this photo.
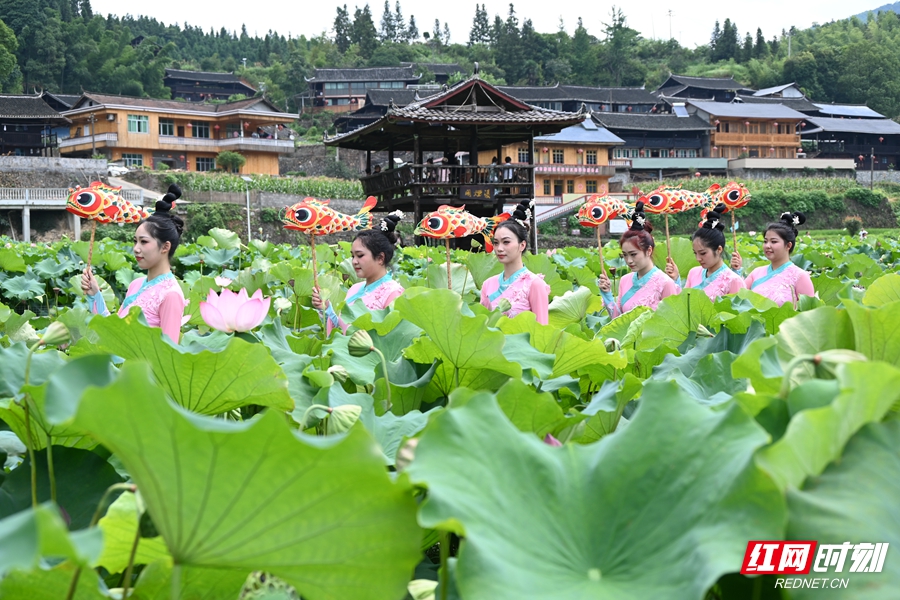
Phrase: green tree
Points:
(619, 49)
(412, 32)
(8, 47)
(342, 29)
(508, 47)
(481, 28)
(400, 33)
(230, 161)
(388, 31)
(364, 33)
(583, 57)
(747, 50)
(760, 49)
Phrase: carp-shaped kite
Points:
(598, 210)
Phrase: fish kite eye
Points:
(596, 213)
(656, 200)
(734, 195)
(304, 216)
(435, 223)
(88, 200)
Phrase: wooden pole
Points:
(733, 231)
(668, 241)
(600, 250)
(315, 269)
(91, 247)
(447, 245)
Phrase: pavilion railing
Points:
(476, 182)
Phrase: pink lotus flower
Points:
(230, 312)
(223, 282)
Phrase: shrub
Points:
(852, 225)
(865, 196)
(230, 161)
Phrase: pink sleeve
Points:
(669, 288)
(737, 284)
(487, 291)
(615, 309)
(171, 310)
(539, 299)
(693, 277)
(804, 285)
(328, 326)
(133, 288)
(748, 283)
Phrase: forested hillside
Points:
(61, 45)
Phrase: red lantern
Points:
(775, 124)
(881, 139)
(216, 127)
(861, 158)
(716, 121)
(190, 125)
(802, 124)
(246, 125)
(580, 151)
(743, 147)
(545, 149)
(715, 147)
(697, 174)
(772, 149)
(746, 123)
(181, 157)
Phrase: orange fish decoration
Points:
(313, 216)
(449, 222)
(672, 200)
(600, 209)
(734, 195)
(103, 203)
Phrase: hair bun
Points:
(639, 219)
(714, 218)
(389, 223)
(793, 219)
(522, 213)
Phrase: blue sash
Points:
(708, 280)
(130, 298)
(770, 274)
(504, 284)
(368, 288)
(636, 284)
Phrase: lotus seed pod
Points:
(56, 335)
(342, 418)
(504, 305)
(360, 343)
(339, 373)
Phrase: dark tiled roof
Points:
(106, 99)
(871, 126)
(848, 110)
(370, 74)
(650, 122)
(616, 95)
(799, 104)
(206, 76)
(385, 97)
(27, 107)
(774, 89)
(440, 68)
(747, 111)
(66, 99)
(706, 83)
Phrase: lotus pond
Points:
(277, 463)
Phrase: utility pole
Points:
(670, 23)
(93, 119)
(872, 168)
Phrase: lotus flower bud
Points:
(552, 441)
(838, 356)
(504, 305)
(342, 418)
(339, 373)
(703, 331)
(406, 454)
(360, 343)
(56, 335)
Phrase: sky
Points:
(691, 22)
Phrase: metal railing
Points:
(97, 139)
(477, 182)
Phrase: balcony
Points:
(765, 139)
(620, 163)
(99, 139)
(576, 170)
(466, 183)
(233, 143)
(661, 143)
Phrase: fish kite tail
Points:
(489, 229)
(364, 215)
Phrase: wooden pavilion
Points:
(445, 133)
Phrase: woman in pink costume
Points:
(781, 281)
(712, 276)
(158, 294)
(647, 285)
(524, 290)
(372, 252)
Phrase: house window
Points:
(557, 187)
(523, 155)
(590, 157)
(133, 160)
(233, 130)
(546, 187)
(205, 163)
(591, 185)
(558, 157)
(199, 129)
(570, 186)
(166, 127)
(664, 153)
(138, 124)
(336, 86)
(87, 130)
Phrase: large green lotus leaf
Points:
(36, 533)
(640, 513)
(119, 525)
(482, 266)
(586, 277)
(82, 477)
(682, 254)
(830, 289)
(225, 238)
(675, 318)
(570, 308)
(460, 278)
(10, 261)
(825, 328)
(518, 349)
(541, 264)
(77, 321)
(571, 352)
(5, 313)
(885, 290)
(204, 382)
(626, 325)
(528, 410)
(409, 383)
(446, 378)
(51, 584)
(464, 342)
(817, 436)
(13, 361)
(854, 500)
(875, 330)
(605, 409)
(759, 363)
(196, 583)
(724, 341)
(392, 344)
(320, 513)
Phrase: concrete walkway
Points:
(127, 185)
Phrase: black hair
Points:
(639, 232)
(520, 222)
(786, 228)
(711, 231)
(164, 225)
(382, 240)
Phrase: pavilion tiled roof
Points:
(650, 122)
(175, 105)
(27, 107)
(368, 74)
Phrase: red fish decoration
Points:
(313, 216)
(449, 222)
